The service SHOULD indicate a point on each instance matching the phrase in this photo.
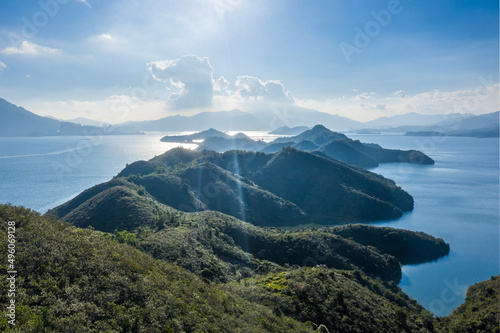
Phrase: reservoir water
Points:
(456, 199)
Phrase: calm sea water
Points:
(456, 199)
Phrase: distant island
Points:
(492, 132)
(210, 133)
(319, 139)
(285, 130)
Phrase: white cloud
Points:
(3, 66)
(253, 89)
(104, 37)
(85, 2)
(28, 48)
(369, 106)
(191, 76)
(480, 100)
(363, 96)
(221, 86)
(400, 93)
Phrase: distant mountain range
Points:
(244, 121)
(485, 125)
(17, 121)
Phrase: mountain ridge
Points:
(17, 121)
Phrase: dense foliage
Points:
(480, 312)
(290, 187)
(80, 280)
(222, 248)
(407, 246)
(341, 301)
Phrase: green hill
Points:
(319, 135)
(84, 280)
(407, 246)
(80, 280)
(340, 147)
(290, 187)
(332, 192)
(479, 313)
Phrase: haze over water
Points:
(456, 199)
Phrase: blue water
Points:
(41, 173)
(456, 199)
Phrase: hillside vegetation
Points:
(480, 312)
(80, 280)
(83, 280)
(290, 187)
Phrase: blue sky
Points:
(125, 60)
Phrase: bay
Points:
(456, 199)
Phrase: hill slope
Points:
(17, 121)
(84, 280)
(340, 147)
(290, 187)
(480, 312)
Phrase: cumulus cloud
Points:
(3, 66)
(253, 89)
(221, 87)
(400, 93)
(193, 86)
(28, 48)
(482, 99)
(191, 76)
(363, 96)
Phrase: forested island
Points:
(319, 139)
(290, 187)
